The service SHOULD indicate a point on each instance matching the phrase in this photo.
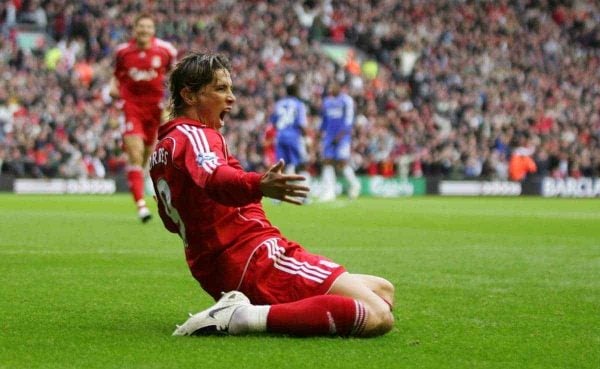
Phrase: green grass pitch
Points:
(480, 283)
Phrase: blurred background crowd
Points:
(451, 89)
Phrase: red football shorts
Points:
(142, 120)
(282, 271)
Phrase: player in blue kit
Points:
(337, 114)
(289, 121)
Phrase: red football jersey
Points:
(141, 72)
(204, 194)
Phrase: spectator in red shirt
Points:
(521, 164)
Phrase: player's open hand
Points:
(277, 185)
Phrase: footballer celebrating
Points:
(262, 281)
(139, 81)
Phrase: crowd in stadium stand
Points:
(455, 89)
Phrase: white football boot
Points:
(144, 214)
(215, 319)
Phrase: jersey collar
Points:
(163, 129)
(134, 43)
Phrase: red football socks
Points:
(317, 316)
(135, 180)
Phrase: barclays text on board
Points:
(571, 187)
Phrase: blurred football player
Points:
(139, 82)
(289, 120)
(337, 120)
(271, 284)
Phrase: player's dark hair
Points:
(194, 71)
(292, 89)
(334, 87)
(141, 16)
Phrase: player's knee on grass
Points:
(380, 320)
(380, 286)
(385, 290)
(372, 292)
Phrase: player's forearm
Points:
(234, 187)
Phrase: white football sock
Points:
(306, 175)
(249, 319)
(350, 176)
(328, 177)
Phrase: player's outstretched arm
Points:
(280, 186)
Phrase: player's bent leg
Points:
(351, 309)
(380, 319)
(321, 315)
(382, 287)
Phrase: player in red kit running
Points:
(274, 285)
(139, 80)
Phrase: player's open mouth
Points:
(224, 113)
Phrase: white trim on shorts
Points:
(287, 264)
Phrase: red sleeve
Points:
(234, 187)
(211, 168)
